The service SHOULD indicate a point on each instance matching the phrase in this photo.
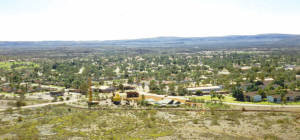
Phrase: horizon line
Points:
(149, 38)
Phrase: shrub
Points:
(195, 121)
(270, 137)
(20, 119)
(61, 98)
(20, 103)
(9, 110)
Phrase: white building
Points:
(205, 89)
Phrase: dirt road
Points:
(41, 105)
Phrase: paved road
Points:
(41, 105)
(238, 104)
(258, 105)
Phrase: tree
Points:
(212, 94)
(153, 86)
(262, 93)
(182, 91)
(199, 92)
(298, 72)
(171, 88)
(220, 97)
(121, 87)
(21, 101)
(237, 93)
(162, 86)
(143, 85)
(282, 92)
(130, 80)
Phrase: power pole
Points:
(90, 92)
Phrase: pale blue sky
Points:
(124, 19)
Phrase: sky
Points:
(37, 20)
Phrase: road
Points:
(258, 105)
(183, 99)
(42, 105)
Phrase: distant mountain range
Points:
(262, 40)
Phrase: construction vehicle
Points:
(116, 99)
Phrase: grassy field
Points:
(17, 65)
(62, 122)
(230, 99)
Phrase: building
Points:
(244, 68)
(7, 88)
(103, 89)
(290, 97)
(252, 97)
(224, 72)
(289, 67)
(56, 93)
(274, 98)
(205, 89)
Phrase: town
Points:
(139, 79)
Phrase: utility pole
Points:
(90, 92)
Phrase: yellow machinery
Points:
(116, 99)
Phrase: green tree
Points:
(237, 93)
(121, 87)
(199, 92)
(212, 94)
(171, 88)
(220, 97)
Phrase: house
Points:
(7, 88)
(244, 68)
(224, 72)
(75, 90)
(292, 96)
(129, 88)
(107, 90)
(289, 67)
(268, 81)
(103, 89)
(56, 93)
(252, 97)
(274, 98)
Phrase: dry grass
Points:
(60, 122)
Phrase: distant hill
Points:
(262, 40)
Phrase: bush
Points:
(20, 103)
(54, 99)
(61, 98)
(270, 137)
(9, 110)
(20, 119)
(298, 72)
(195, 121)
